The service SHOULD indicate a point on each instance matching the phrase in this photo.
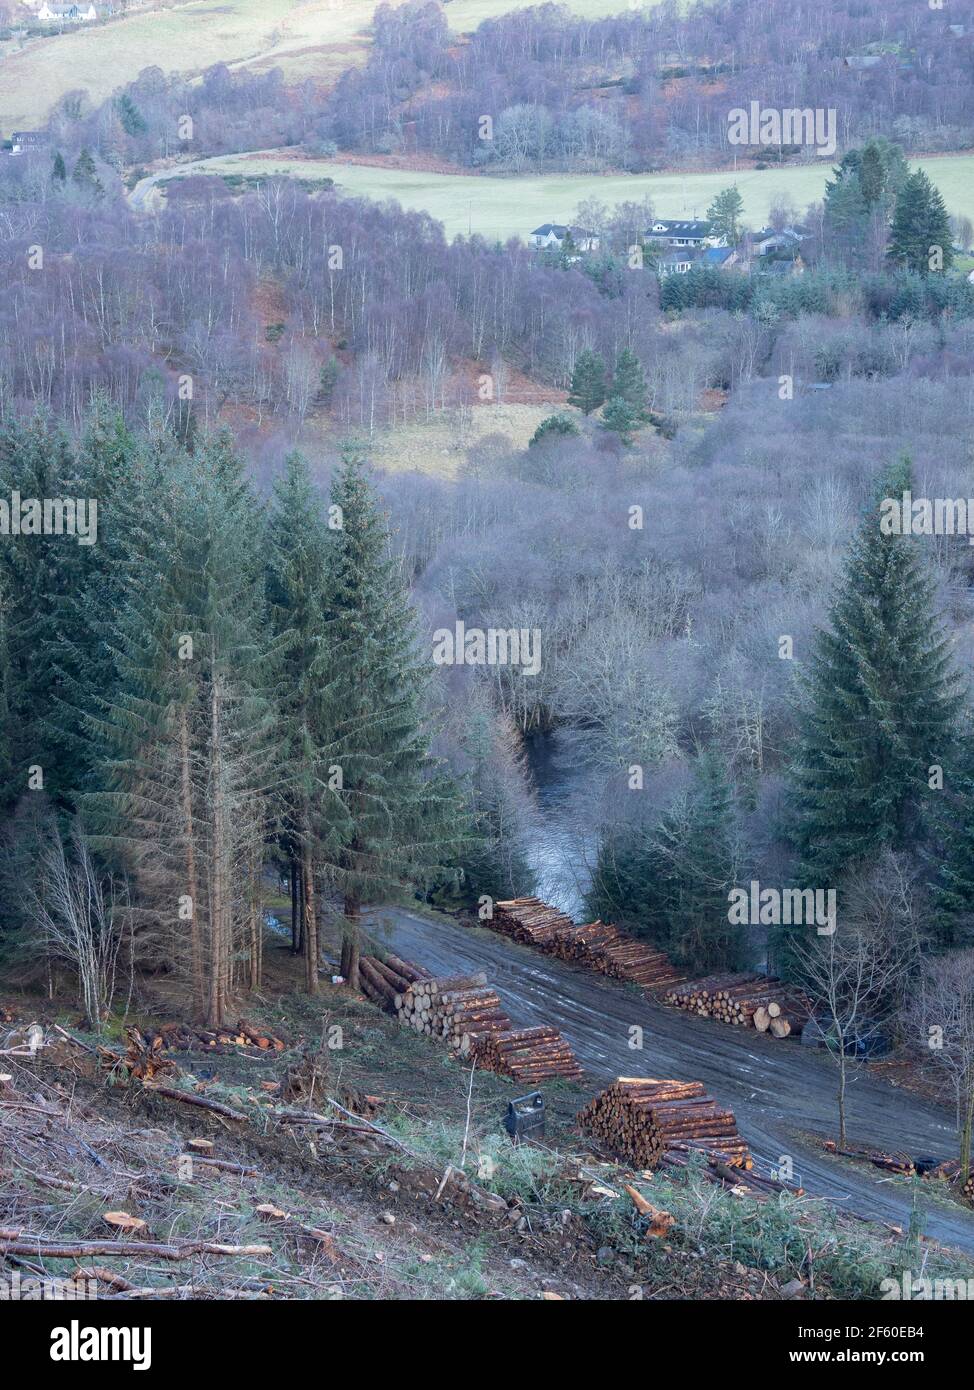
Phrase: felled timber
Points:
(598, 945)
(642, 1119)
(744, 1000)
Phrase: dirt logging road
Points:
(780, 1092)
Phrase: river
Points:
(564, 843)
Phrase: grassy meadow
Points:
(506, 207)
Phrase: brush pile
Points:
(642, 1119)
(750, 1001)
(382, 980)
(597, 945)
(528, 1055)
(184, 1037)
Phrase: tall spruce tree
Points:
(400, 819)
(921, 239)
(38, 573)
(298, 596)
(879, 705)
(588, 388)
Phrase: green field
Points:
(314, 39)
(499, 207)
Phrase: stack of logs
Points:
(528, 1055)
(530, 921)
(643, 1119)
(598, 945)
(449, 1006)
(468, 1016)
(754, 1001)
(382, 980)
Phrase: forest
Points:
(269, 687)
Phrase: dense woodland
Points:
(234, 686)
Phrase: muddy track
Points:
(779, 1091)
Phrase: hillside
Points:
(307, 39)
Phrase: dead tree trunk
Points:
(310, 920)
(195, 945)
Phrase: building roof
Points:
(717, 255)
(694, 227)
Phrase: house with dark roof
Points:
(556, 234)
(686, 232)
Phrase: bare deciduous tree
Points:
(939, 1015)
(78, 918)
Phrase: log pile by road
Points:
(381, 980)
(466, 1014)
(446, 1007)
(529, 921)
(598, 945)
(528, 1055)
(642, 1119)
(752, 1001)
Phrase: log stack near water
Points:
(744, 1000)
(642, 1119)
(529, 921)
(598, 945)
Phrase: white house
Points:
(554, 234)
(66, 14)
(691, 233)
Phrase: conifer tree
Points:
(879, 705)
(952, 850)
(724, 214)
(671, 880)
(37, 572)
(629, 383)
(588, 388)
(298, 595)
(400, 821)
(921, 238)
